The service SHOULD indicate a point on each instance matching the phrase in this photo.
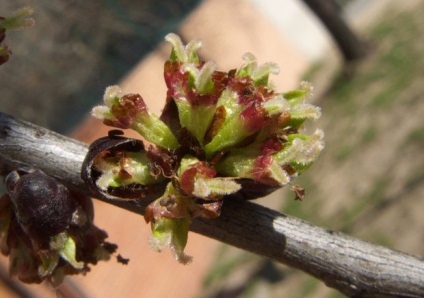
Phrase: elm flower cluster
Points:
(221, 135)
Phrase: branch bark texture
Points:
(350, 45)
(354, 267)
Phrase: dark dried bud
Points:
(43, 207)
(46, 230)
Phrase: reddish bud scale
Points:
(188, 177)
(216, 123)
(253, 117)
(176, 80)
(179, 86)
(171, 73)
(197, 99)
(167, 207)
(242, 85)
(260, 170)
(220, 80)
(271, 146)
(129, 107)
(161, 161)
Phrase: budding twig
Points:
(354, 267)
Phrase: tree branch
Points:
(354, 267)
(350, 45)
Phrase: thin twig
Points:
(354, 267)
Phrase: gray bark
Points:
(350, 45)
(354, 267)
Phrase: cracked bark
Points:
(354, 267)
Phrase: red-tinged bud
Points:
(130, 111)
(126, 111)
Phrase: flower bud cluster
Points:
(220, 135)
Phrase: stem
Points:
(354, 267)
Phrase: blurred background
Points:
(368, 182)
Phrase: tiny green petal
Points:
(154, 130)
(136, 166)
(186, 162)
(191, 68)
(191, 50)
(308, 88)
(232, 131)
(171, 233)
(195, 118)
(178, 51)
(48, 264)
(278, 174)
(305, 111)
(313, 146)
(250, 66)
(294, 94)
(204, 187)
(102, 113)
(183, 54)
(19, 19)
(302, 95)
(202, 77)
(276, 105)
(66, 248)
(261, 74)
(112, 95)
(57, 242)
(68, 253)
(237, 164)
(203, 82)
(108, 179)
(301, 149)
